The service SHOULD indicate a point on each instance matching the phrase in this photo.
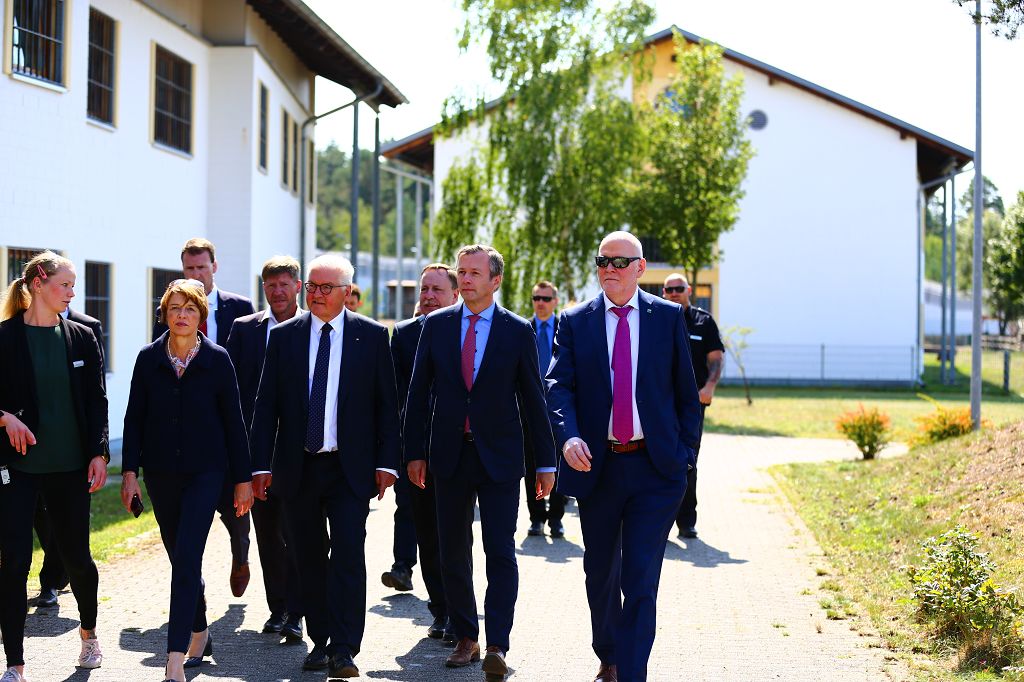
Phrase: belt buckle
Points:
(467, 436)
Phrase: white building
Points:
(825, 262)
(129, 126)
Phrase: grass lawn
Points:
(870, 518)
(811, 412)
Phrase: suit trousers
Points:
(687, 517)
(67, 499)
(237, 526)
(334, 590)
(52, 574)
(277, 557)
(404, 546)
(553, 509)
(499, 508)
(183, 504)
(625, 522)
(424, 515)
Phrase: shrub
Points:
(868, 429)
(954, 590)
(943, 423)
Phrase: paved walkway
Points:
(740, 603)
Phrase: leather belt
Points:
(631, 446)
(467, 436)
(319, 454)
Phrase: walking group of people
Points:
(303, 417)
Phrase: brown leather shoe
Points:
(239, 578)
(607, 673)
(466, 651)
(494, 664)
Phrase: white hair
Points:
(334, 261)
(676, 275)
(622, 235)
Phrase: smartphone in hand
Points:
(136, 506)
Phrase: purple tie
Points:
(622, 390)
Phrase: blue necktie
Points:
(543, 348)
(318, 393)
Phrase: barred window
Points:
(286, 145)
(158, 281)
(172, 114)
(97, 300)
(101, 67)
(264, 102)
(37, 39)
(17, 259)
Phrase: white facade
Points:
(109, 194)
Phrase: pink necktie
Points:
(469, 357)
(622, 389)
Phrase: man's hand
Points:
(129, 489)
(97, 475)
(545, 484)
(17, 433)
(417, 470)
(260, 483)
(243, 498)
(384, 481)
(706, 394)
(577, 454)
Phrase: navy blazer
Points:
(580, 389)
(247, 346)
(507, 379)
(368, 432)
(187, 425)
(404, 339)
(230, 307)
(19, 394)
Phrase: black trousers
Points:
(687, 516)
(183, 505)
(52, 575)
(277, 557)
(404, 547)
(237, 526)
(424, 515)
(553, 508)
(67, 499)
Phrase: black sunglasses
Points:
(546, 299)
(619, 262)
(675, 290)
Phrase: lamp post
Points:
(979, 208)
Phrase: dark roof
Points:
(323, 51)
(933, 152)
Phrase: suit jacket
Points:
(230, 307)
(19, 393)
(187, 425)
(580, 390)
(97, 330)
(368, 431)
(247, 346)
(507, 379)
(404, 339)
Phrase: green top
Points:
(57, 447)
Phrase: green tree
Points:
(1005, 17)
(991, 224)
(551, 177)
(696, 154)
(1004, 267)
(990, 197)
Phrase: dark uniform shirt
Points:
(704, 338)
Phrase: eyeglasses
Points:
(675, 290)
(546, 299)
(325, 289)
(619, 262)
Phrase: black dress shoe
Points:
(47, 597)
(436, 629)
(399, 579)
(556, 530)
(316, 659)
(688, 532)
(536, 529)
(196, 661)
(273, 624)
(449, 638)
(342, 666)
(292, 630)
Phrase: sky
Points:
(912, 59)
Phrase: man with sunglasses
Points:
(708, 355)
(626, 415)
(545, 324)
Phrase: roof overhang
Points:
(324, 52)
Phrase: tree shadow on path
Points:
(700, 554)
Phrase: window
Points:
(17, 259)
(701, 296)
(264, 101)
(158, 281)
(286, 145)
(97, 300)
(37, 39)
(311, 166)
(172, 113)
(295, 156)
(101, 67)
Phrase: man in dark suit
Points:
(476, 445)
(247, 346)
(331, 439)
(438, 289)
(545, 325)
(627, 436)
(199, 261)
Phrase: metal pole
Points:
(375, 268)
(952, 280)
(979, 207)
(945, 275)
(354, 205)
(419, 226)
(1006, 372)
(399, 238)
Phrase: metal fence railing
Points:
(825, 364)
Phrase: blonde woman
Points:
(184, 428)
(53, 411)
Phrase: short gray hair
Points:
(676, 275)
(334, 261)
(496, 264)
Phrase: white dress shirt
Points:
(611, 321)
(211, 318)
(271, 321)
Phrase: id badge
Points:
(5, 476)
